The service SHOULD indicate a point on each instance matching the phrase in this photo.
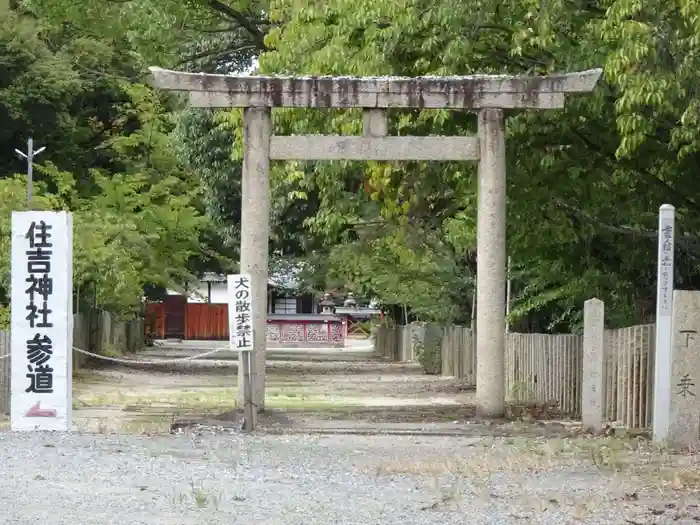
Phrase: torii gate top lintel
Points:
(454, 92)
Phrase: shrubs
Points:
(426, 340)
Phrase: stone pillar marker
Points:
(593, 384)
(664, 322)
(488, 95)
(684, 418)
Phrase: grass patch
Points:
(198, 496)
(206, 400)
(630, 477)
(87, 377)
(141, 425)
(637, 460)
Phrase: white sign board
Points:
(240, 313)
(42, 320)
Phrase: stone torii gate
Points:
(489, 95)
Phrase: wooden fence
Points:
(458, 353)
(4, 373)
(629, 375)
(390, 343)
(96, 332)
(206, 321)
(544, 368)
(102, 333)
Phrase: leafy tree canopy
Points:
(207, 35)
(139, 217)
(584, 183)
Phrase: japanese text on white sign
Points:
(666, 267)
(41, 299)
(240, 304)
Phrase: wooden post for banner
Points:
(249, 412)
(241, 318)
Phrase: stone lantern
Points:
(350, 302)
(327, 305)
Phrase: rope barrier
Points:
(142, 361)
(148, 361)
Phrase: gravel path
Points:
(69, 479)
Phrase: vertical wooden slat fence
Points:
(387, 342)
(95, 332)
(206, 321)
(4, 373)
(543, 368)
(81, 339)
(405, 346)
(629, 375)
(459, 354)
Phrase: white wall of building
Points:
(199, 293)
(219, 295)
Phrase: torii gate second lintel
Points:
(487, 94)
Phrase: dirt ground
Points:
(575, 478)
(336, 391)
(299, 395)
(347, 390)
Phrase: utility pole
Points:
(29, 156)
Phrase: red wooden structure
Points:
(199, 321)
(206, 321)
(174, 318)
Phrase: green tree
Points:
(581, 213)
(138, 215)
(36, 91)
(584, 184)
(138, 227)
(208, 35)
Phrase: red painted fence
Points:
(202, 321)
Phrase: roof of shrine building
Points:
(277, 279)
(473, 91)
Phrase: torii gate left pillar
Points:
(489, 95)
